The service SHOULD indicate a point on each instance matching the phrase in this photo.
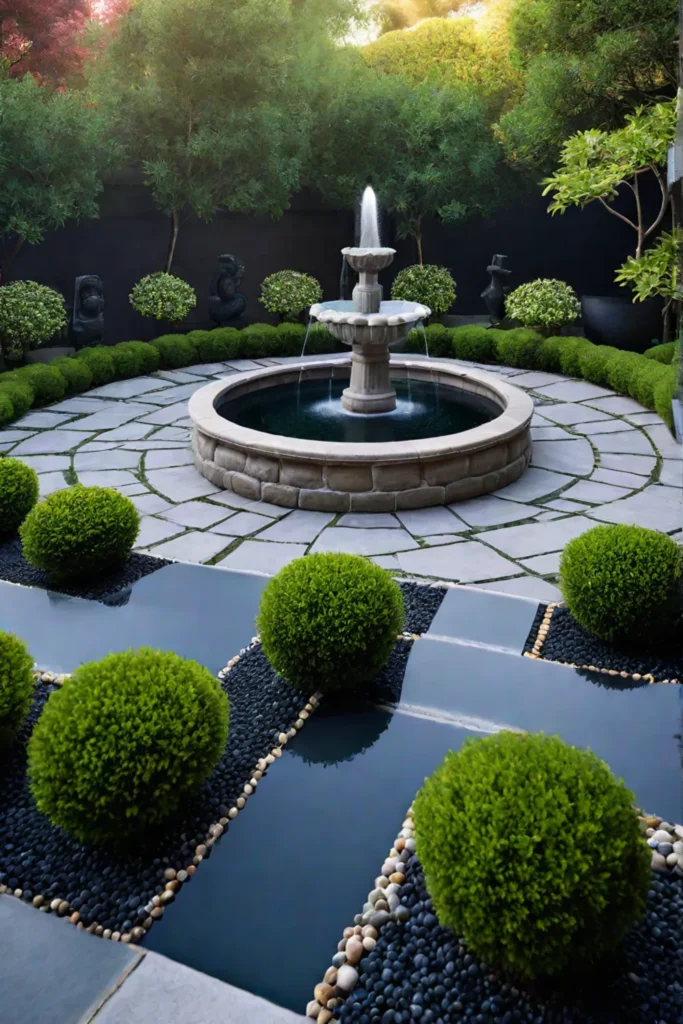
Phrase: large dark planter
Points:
(616, 320)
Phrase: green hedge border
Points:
(650, 382)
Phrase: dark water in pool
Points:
(313, 410)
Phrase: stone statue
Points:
(226, 304)
(494, 294)
(87, 322)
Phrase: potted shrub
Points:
(427, 283)
(163, 297)
(30, 314)
(546, 305)
(603, 166)
(288, 293)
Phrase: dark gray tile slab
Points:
(483, 618)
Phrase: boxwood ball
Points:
(18, 494)
(532, 851)
(330, 622)
(16, 686)
(80, 531)
(124, 741)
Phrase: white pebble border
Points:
(666, 842)
(174, 879)
(383, 905)
(542, 635)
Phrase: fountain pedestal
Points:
(370, 389)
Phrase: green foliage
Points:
(546, 304)
(620, 370)
(428, 284)
(30, 314)
(623, 583)
(475, 344)
(18, 494)
(125, 742)
(217, 345)
(16, 685)
(174, 351)
(662, 353)
(45, 381)
(288, 293)
(570, 355)
(329, 622)
(292, 337)
(518, 347)
(595, 361)
(163, 297)
(664, 395)
(133, 358)
(19, 395)
(99, 361)
(655, 272)
(549, 354)
(80, 531)
(559, 895)
(76, 373)
(6, 409)
(644, 381)
(439, 341)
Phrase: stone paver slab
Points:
(671, 473)
(549, 434)
(180, 483)
(264, 508)
(562, 505)
(171, 434)
(129, 388)
(545, 565)
(614, 426)
(642, 465)
(167, 414)
(262, 558)
(177, 376)
(468, 562)
(196, 514)
(569, 413)
(106, 478)
(193, 547)
(537, 538)
(135, 488)
(242, 524)
(44, 419)
(299, 527)
(47, 463)
(425, 522)
(574, 456)
(50, 442)
(656, 507)
(535, 484)
(666, 444)
(171, 396)
(389, 562)
(160, 458)
(369, 520)
(441, 538)
(48, 483)
(596, 493)
(620, 405)
(97, 446)
(243, 364)
(232, 499)
(492, 511)
(152, 531)
(122, 412)
(126, 432)
(153, 446)
(574, 391)
(12, 436)
(525, 586)
(209, 369)
(363, 542)
(80, 404)
(631, 481)
(151, 504)
(548, 517)
(116, 459)
(536, 379)
(631, 442)
(642, 419)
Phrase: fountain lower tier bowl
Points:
(489, 445)
(386, 328)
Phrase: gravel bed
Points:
(419, 971)
(567, 641)
(109, 589)
(113, 888)
(422, 603)
(535, 626)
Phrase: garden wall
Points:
(130, 239)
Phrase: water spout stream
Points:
(369, 221)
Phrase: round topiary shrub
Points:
(623, 583)
(431, 285)
(289, 292)
(80, 531)
(474, 344)
(134, 358)
(30, 314)
(595, 361)
(16, 686)
(76, 373)
(99, 361)
(548, 356)
(546, 305)
(662, 353)
(570, 355)
(6, 409)
(20, 394)
(45, 381)
(18, 494)
(291, 337)
(664, 396)
(174, 351)
(163, 297)
(512, 835)
(125, 741)
(518, 347)
(329, 622)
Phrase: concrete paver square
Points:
(467, 562)
(574, 391)
(193, 547)
(197, 515)
(569, 413)
(242, 524)
(180, 483)
(266, 559)
(640, 464)
(50, 442)
(535, 484)
(656, 507)
(363, 542)
(574, 456)
(299, 527)
(631, 442)
(424, 522)
(596, 493)
(152, 531)
(538, 538)
(493, 511)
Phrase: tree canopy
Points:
(399, 14)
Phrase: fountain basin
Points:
(336, 476)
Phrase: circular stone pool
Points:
(456, 434)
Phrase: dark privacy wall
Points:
(130, 240)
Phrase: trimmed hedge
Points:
(100, 362)
(512, 832)
(623, 583)
(18, 494)
(76, 373)
(16, 686)
(662, 353)
(125, 741)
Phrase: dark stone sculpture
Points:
(226, 304)
(494, 294)
(87, 322)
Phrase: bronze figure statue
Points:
(226, 303)
(87, 321)
(494, 294)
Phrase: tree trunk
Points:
(666, 316)
(9, 259)
(175, 228)
(418, 240)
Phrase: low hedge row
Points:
(41, 383)
(649, 379)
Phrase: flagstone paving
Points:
(598, 458)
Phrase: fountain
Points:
(389, 433)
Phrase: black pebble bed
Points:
(422, 603)
(111, 887)
(422, 972)
(569, 642)
(111, 588)
(535, 626)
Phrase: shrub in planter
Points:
(163, 297)
(546, 304)
(16, 686)
(570, 355)
(474, 344)
(518, 347)
(80, 531)
(664, 395)
(174, 351)
(98, 359)
(594, 363)
(559, 894)
(431, 285)
(18, 494)
(329, 622)
(30, 314)
(662, 353)
(125, 741)
(45, 381)
(289, 292)
(134, 358)
(623, 583)
(76, 373)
